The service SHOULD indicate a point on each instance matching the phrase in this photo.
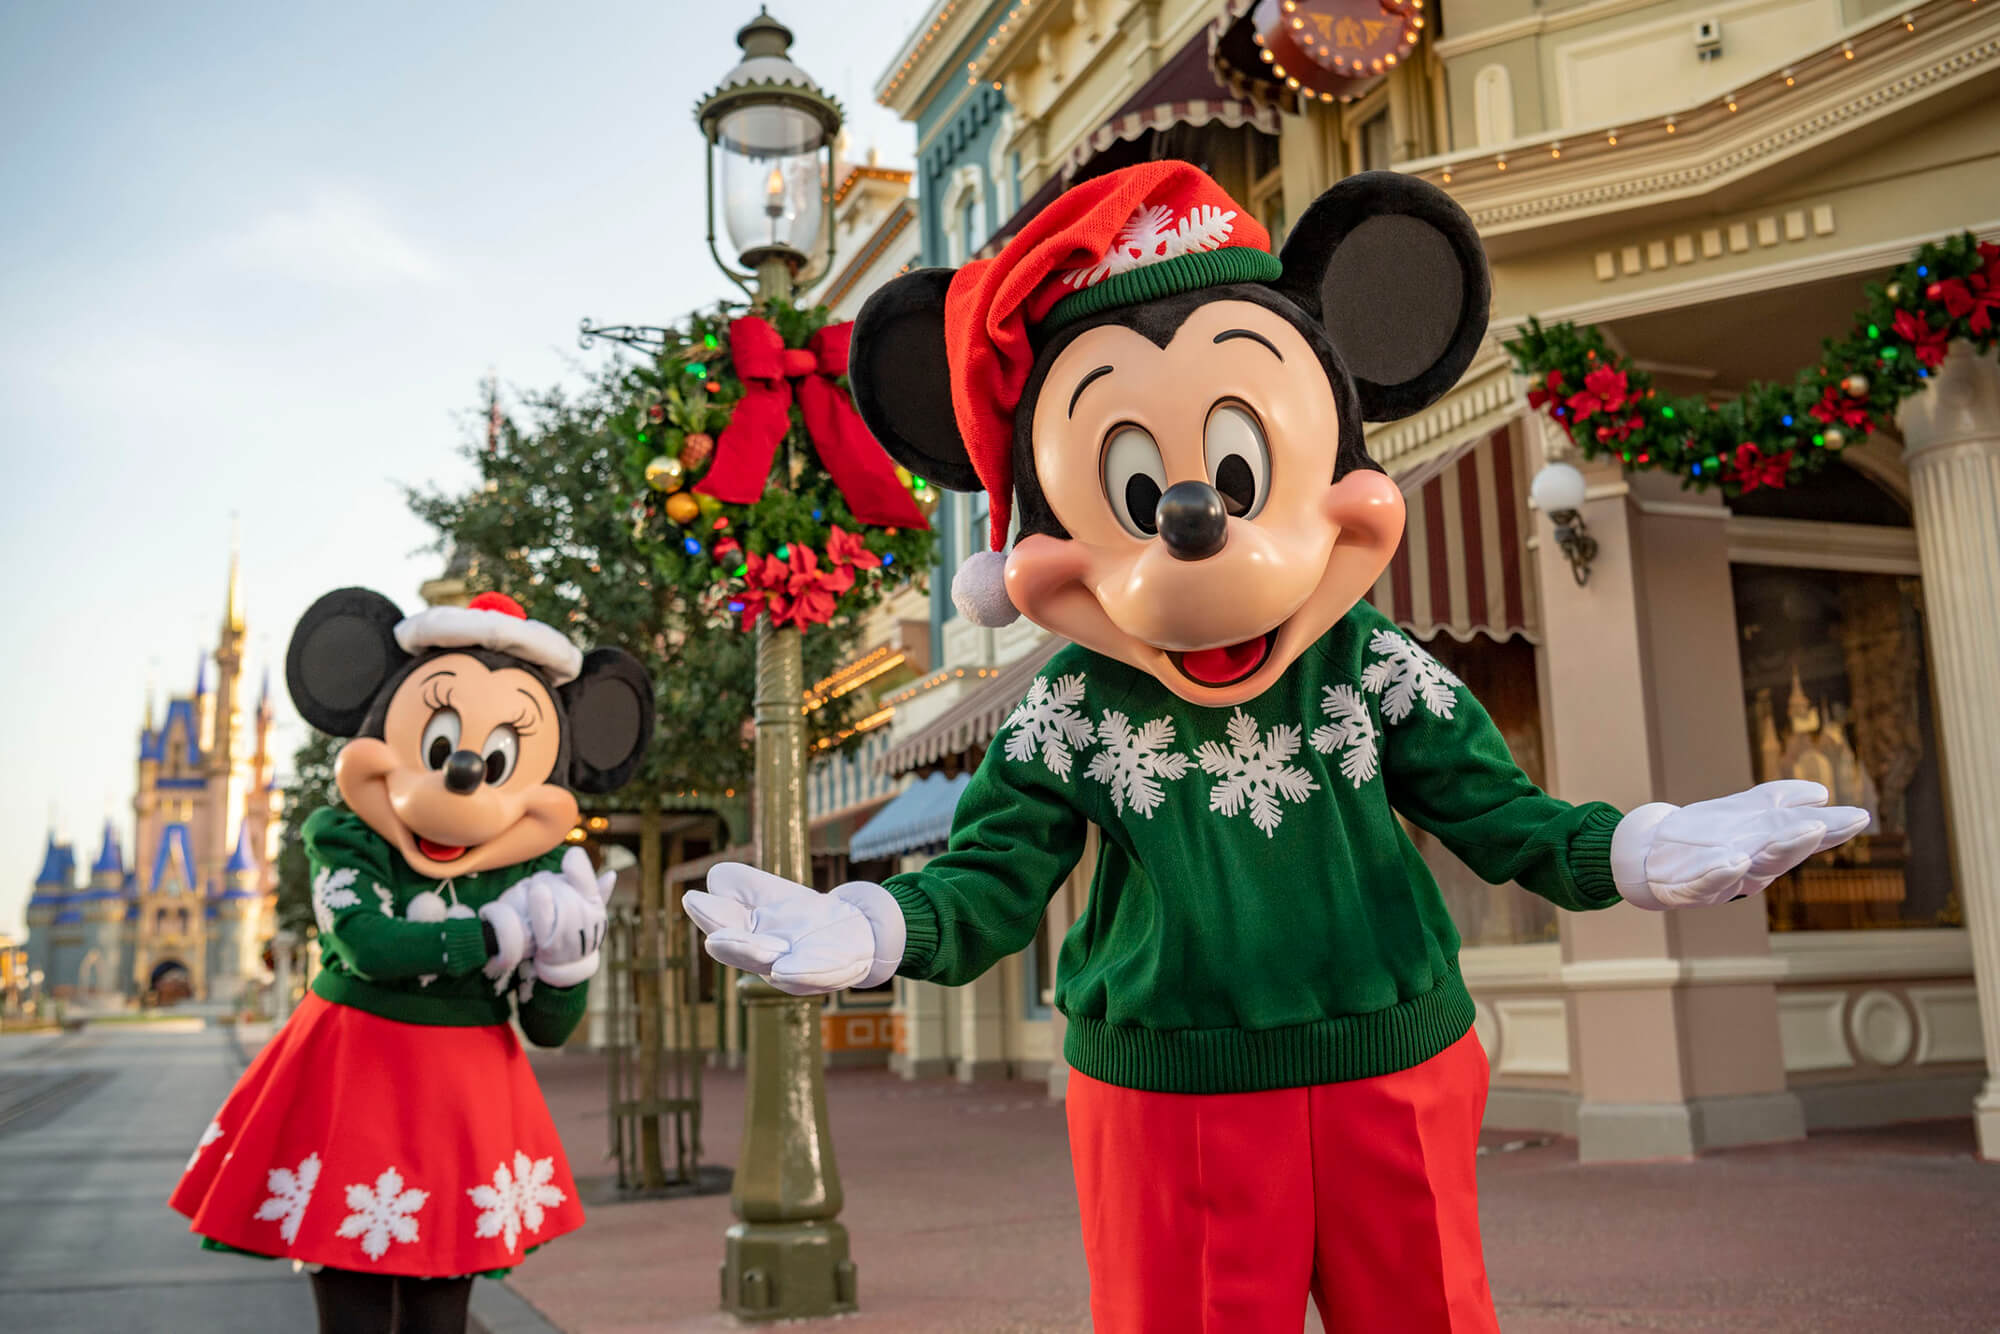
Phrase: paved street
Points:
(94, 1130)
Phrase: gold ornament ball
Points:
(927, 500)
(1894, 291)
(665, 474)
(682, 508)
(1855, 385)
(904, 475)
(1835, 438)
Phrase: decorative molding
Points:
(1881, 1028)
(1866, 259)
(1536, 24)
(1947, 1024)
(1643, 973)
(1486, 1024)
(1810, 544)
(1613, 167)
(1843, 956)
(1534, 1036)
(1683, 244)
(1490, 968)
(1486, 398)
(1810, 1031)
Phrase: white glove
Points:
(566, 914)
(799, 940)
(1666, 856)
(508, 916)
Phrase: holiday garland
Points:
(748, 466)
(1771, 435)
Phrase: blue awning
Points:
(919, 818)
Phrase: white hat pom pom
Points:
(979, 591)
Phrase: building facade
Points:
(1712, 186)
(192, 912)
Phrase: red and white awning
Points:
(1162, 116)
(1462, 567)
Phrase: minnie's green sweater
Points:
(1258, 918)
(376, 957)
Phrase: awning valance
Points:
(917, 819)
(1462, 565)
(973, 720)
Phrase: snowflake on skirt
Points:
(516, 1199)
(382, 1213)
(291, 1191)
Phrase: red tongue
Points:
(1213, 666)
(439, 852)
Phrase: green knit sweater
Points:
(1258, 919)
(375, 958)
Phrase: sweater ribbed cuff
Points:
(920, 929)
(1590, 857)
(464, 945)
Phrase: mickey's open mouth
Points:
(1227, 665)
(439, 852)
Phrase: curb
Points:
(498, 1309)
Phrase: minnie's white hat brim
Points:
(463, 627)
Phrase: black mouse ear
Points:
(902, 383)
(341, 655)
(610, 708)
(1396, 274)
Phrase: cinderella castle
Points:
(190, 912)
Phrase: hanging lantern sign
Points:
(1335, 49)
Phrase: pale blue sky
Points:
(257, 258)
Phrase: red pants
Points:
(1219, 1213)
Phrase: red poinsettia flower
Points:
(1604, 390)
(845, 548)
(1984, 289)
(1956, 296)
(1835, 408)
(1927, 343)
(1753, 469)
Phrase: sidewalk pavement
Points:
(963, 1220)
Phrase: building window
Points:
(1267, 186)
(1492, 106)
(1502, 677)
(963, 214)
(1372, 140)
(1836, 689)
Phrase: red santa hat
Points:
(493, 621)
(1119, 239)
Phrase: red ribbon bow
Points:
(866, 478)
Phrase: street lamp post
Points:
(770, 132)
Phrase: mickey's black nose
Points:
(464, 771)
(1192, 521)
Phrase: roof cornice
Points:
(928, 53)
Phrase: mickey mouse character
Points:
(1276, 1088)
(392, 1133)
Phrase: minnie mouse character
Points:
(1276, 1088)
(392, 1134)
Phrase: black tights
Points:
(356, 1303)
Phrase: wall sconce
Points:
(1558, 491)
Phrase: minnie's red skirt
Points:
(368, 1144)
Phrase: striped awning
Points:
(919, 818)
(973, 720)
(1193, 113)
(1462, 567)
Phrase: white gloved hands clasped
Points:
(508, 916)
(799, 940)
(566, 913)
(1665, 856)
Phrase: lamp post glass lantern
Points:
(785, 1257)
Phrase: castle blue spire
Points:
(240, 861)
(110, 859)
(58, 866)
(201, 676)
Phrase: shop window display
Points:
(1836, 689)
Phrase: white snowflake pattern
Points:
(386, 899)
(1351, 731)
(1255, 770)
(1151, 235)
(1134, 760)
(1051, 717)
(332, 891)
(291, 1191)
(382, 1213)
(515, 1201)
(1405, 674)
(208, 1137)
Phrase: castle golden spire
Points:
(232, 615)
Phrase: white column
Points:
(1951, 440)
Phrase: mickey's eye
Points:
(1237, 458)
(440, 737)
(1134, 477)
(503, 749)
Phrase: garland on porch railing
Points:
(1771, 434)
